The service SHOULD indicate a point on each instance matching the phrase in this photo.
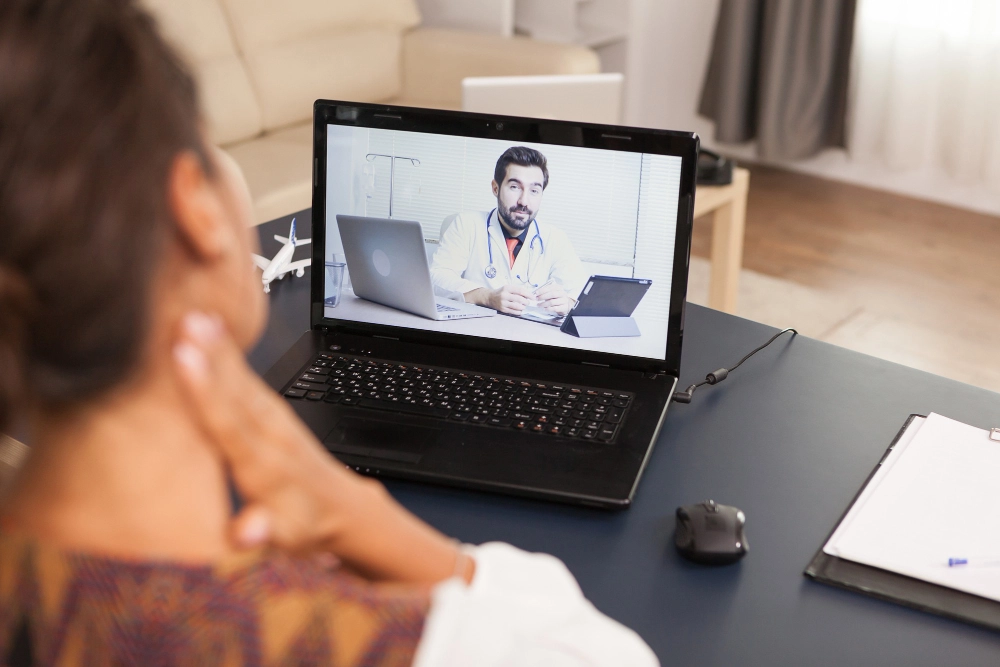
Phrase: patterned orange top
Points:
(264, 608)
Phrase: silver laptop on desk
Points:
(388, 265)
(589, 98)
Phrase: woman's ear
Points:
(197, 210)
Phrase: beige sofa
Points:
(262, 63)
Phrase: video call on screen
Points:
(615, 213)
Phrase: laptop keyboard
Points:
(495, 401)
(441, 308)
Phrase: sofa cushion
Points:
(198, 29)
(301, 50)
(278, 169)
(360, 66)
(260, 23)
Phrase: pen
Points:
(972, 562)
(545, 284)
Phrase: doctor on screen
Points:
(505, 258)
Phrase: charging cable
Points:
(715, 377)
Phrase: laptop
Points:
(388, 265)
(496, 404)
(592, 98)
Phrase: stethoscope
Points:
(491, 270)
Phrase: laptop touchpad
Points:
(380, 439)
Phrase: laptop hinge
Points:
(654, 374)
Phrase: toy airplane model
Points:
(280, 266)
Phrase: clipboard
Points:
(898, 588)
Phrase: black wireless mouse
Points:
(710, 533)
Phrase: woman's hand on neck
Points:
(129, 472)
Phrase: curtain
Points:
(778, 73)
(927, 88)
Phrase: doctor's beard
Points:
(512, 221)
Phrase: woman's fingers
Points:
(252, 527)
(223, 392)
(297, 496)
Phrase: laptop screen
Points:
(521, 229)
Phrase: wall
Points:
(668, 54)
(496, 16)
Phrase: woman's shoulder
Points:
(261, 606)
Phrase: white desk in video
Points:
(650, 344)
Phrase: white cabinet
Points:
(593, 23)
(495, 16)
(600, 24)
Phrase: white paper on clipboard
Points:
(936, 496)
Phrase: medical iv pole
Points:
(392, 169)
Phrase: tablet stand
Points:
(600, 327)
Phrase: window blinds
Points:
(656, 230)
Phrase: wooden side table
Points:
(728, 206)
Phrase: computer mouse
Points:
(710, 533)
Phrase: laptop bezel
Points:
(509, 128)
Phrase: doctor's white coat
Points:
(460, 262)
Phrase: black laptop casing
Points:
(480, 457)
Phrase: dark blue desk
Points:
(789, 438)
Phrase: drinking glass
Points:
(335, 273)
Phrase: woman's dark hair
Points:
(94, 107)
(525, 157)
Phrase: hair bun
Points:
(16, 308)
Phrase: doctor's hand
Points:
(510, 299)
(553, 297)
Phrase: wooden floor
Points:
(925, 277)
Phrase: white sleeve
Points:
(451, 259)
(522, 609)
